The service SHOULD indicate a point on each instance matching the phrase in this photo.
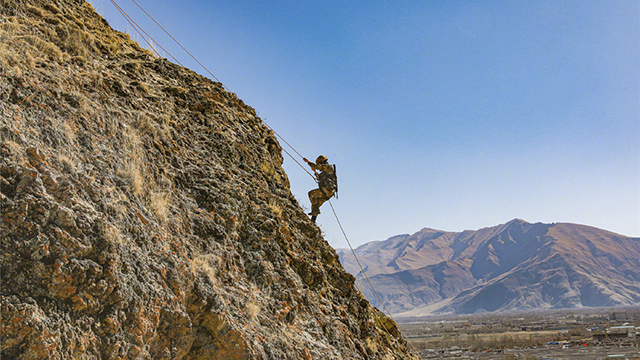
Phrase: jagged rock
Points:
(145, 213)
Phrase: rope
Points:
(136, 26)
(367, 277)
(130, 20)
(223, 85)
(177, 42)
(294, 159)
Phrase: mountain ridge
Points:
(512, 266)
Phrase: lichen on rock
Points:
(145, 213)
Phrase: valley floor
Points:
(560, 334)
(588, 353)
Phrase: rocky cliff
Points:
(513, 266)
(144, 212)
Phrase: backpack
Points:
(329, 181)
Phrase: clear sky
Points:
(451, 115)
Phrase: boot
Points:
(315, 210)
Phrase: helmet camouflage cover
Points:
(321, 159)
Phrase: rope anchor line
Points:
(139, 29)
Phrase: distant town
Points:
(554, 334)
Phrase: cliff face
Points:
(145, 213)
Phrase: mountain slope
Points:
(145, 213)
(513, 266)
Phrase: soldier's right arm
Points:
(328, 168)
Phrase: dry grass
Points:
(69, 130)
(10, 28)
(288, 333)
(15, 51)
(207, 264)
(157, 130)
(275, 209)
(52, 8)
(145, 124)
(80, 102)
(141, 87)
(267, 169)
(116, 202)
(133, 168)
(16, 151)
(78, 42)
(252, 310)
(371, 346)
(175, 90)
(132, 140)
(134, 67)
(110, 44)
(66, 162)
(112, 234)
(20, 48)
(293, 337)
(159, 203)
(9, 62)
(47, 35)
(95, 80)
(132, 171)
(39, 45)
(34, 10)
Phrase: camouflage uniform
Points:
(326, 190)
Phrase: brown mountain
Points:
(145, 214)
(514, 266)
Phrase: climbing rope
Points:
(294, 159)
(136, 27)
(367, 277)
(177, 42)
(139, 29)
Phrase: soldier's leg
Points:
(320, 196)
(317, 198)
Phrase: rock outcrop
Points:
(144, 212)
(513, 266)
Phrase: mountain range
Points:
(513, 266)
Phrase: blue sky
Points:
(452, 115)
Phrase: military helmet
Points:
(321, 159)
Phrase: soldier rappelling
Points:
(327, 184)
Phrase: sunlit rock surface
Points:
(145, 213)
